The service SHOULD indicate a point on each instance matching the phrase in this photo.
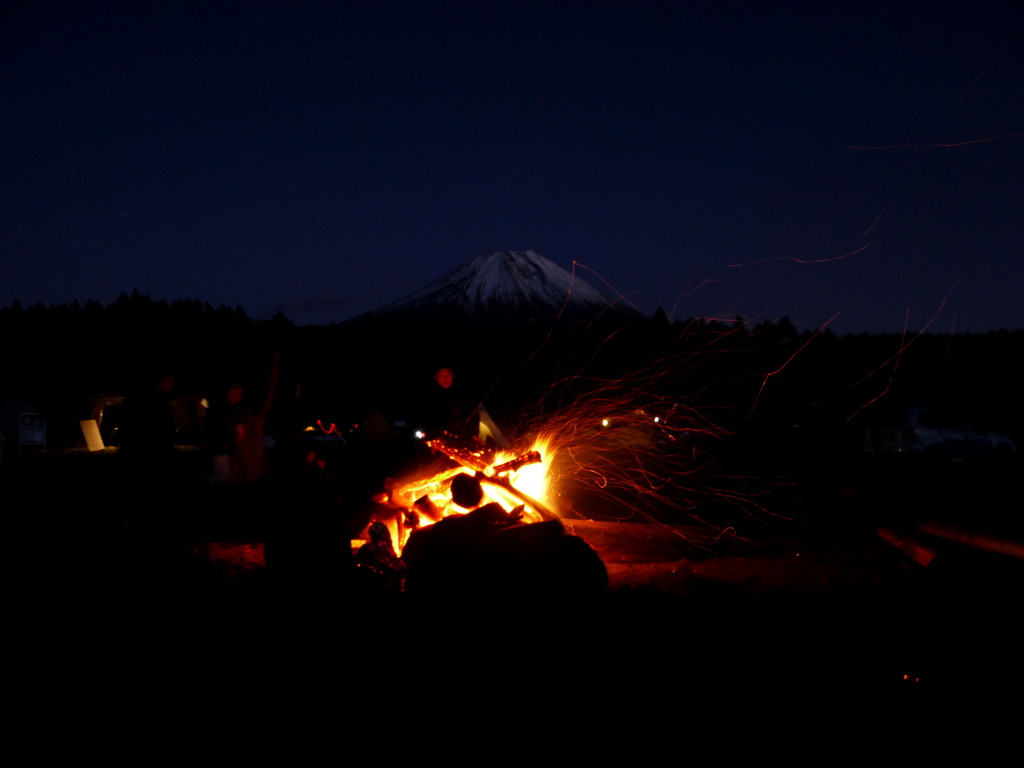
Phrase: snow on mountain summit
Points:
(509, 285)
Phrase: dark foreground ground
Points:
(110, 562)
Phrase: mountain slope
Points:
(506, 289)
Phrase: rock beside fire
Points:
(377, 560)
(487, 556)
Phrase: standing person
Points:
(237, 435)
(246, 429)
(447, 407)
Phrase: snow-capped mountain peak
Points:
(508, 286)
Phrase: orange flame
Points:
(420, 503)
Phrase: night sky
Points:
(713, 159)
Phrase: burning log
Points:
(467, 452)
(505, 485)
(476, 458)
(530, 457)
(467, 492)
(428, 509)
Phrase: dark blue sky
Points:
(326, 157)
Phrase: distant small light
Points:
(205, 403)
(420, 435)
(604, 422)
(656, 419)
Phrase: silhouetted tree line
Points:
(70, 350)
(760, 377)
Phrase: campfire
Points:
(516, 482)
(479, 530)
(536, 515)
